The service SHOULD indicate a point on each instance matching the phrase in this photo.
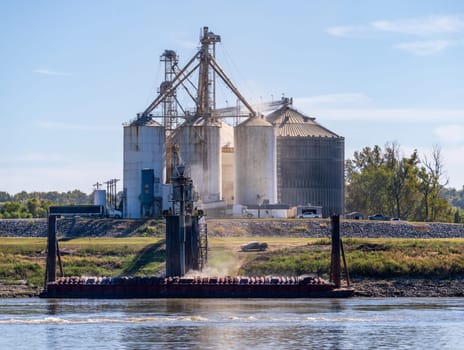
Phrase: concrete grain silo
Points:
(255, 167)
(199, 141)
(144, 167)
(227, 163)
(310, 162)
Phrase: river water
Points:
(402, 323)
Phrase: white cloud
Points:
(426, 48)
(358, 107)
(390, 115)
(341, 31)
(426, 26)
(452, 134)
(332, 99)
(44, 71)
(422, 26)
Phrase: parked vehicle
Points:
(309, 215)
(253, 246)
(379, 217)
(397, 219)
(248, 214)
(113, 213)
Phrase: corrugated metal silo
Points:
(144, 148)
(310, 162)
(255, 166)
(199, 142)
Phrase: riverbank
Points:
(409, 287)
(20, 289)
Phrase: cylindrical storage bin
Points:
(144, 148)
(255, 166)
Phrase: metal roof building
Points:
(310, 162)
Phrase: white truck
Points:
(113, 213)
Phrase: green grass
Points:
(368, 258)
(24, 258)
(290, 262)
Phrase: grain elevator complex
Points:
(242, 161)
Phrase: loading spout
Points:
(229, 83)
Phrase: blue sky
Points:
(72, 72)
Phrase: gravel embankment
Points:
(237, 227)
(320, 228)
(72, 227)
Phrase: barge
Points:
(196, 287)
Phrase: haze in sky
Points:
(72, 72)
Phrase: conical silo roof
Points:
(289, 122)
(255, 121)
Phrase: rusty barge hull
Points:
(194, 291)
(212, 288)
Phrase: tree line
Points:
(406, 187)
(25, 205)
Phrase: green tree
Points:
(367, 180)
(14, 210)
(4, 197)
(403, 186)
(35, 204)
(455, 197)
(432, 181)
